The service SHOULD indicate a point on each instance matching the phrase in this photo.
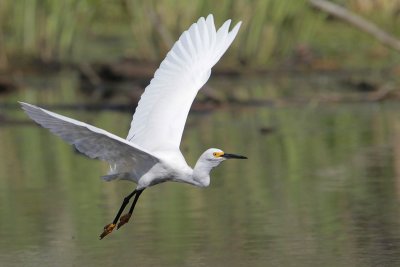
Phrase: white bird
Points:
(150, 154)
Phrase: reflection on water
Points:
(322, 189)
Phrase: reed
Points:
(42, 29)
(273, 31)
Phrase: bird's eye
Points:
(215, 154)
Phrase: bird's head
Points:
(215, 156)
(210, 159)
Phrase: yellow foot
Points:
(107, 229)
(124, 219)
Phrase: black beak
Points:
(233, 156)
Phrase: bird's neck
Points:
(201, 174)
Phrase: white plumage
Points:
(150, 154)
(165, 104)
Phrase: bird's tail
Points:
(116, 176)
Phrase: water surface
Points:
(321, 187)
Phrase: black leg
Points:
(109, 227)
(124, 203)
(125, 218)
(135, 200)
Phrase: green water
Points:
(321, 189)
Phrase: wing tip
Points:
(201, 19)
(24, 104)
(227, 23)
(237, 26)
(28, 108)
(235, 30)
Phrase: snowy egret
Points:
(150, 154)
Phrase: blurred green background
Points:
(311, 100)
(273, 32)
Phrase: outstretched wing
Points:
(161, 114)
(92, 141)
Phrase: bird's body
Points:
(150, 154)
(172, 167)
(169, 165)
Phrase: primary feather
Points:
(122, 156)
(161, 114)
